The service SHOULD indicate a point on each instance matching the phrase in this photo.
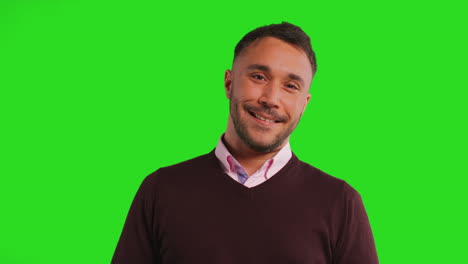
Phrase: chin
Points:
(263, 146)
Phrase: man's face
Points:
(268, 89)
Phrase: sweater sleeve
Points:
(137, 244)
(355, 243)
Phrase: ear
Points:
(228, 83)
(306, 102)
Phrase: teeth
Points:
(264, 119)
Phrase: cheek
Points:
(294, 107)
(247, 90)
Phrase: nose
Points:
(270, 95)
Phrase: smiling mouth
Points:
(263, 118)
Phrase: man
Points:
(251, 200)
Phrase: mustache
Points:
(267, 111)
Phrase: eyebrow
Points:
(265, 68)
(259, 67)
(295, 77)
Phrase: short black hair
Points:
(285, 31)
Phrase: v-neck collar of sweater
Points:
(233, 168)
(279, 179)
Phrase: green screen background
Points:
(95, 95)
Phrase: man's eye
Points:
(292, 86)
(258, 77)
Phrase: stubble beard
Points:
(243, 133)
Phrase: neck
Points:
(250, 160)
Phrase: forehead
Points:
(278, 55)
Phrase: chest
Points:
(243, 229)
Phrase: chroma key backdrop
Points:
(95, 95)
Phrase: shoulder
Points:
(318, 176)
(196, 164)
(183, 170)
(324, 183)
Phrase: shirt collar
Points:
(228, 161)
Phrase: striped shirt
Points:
(235, 170)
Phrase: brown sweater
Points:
(192, 212)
